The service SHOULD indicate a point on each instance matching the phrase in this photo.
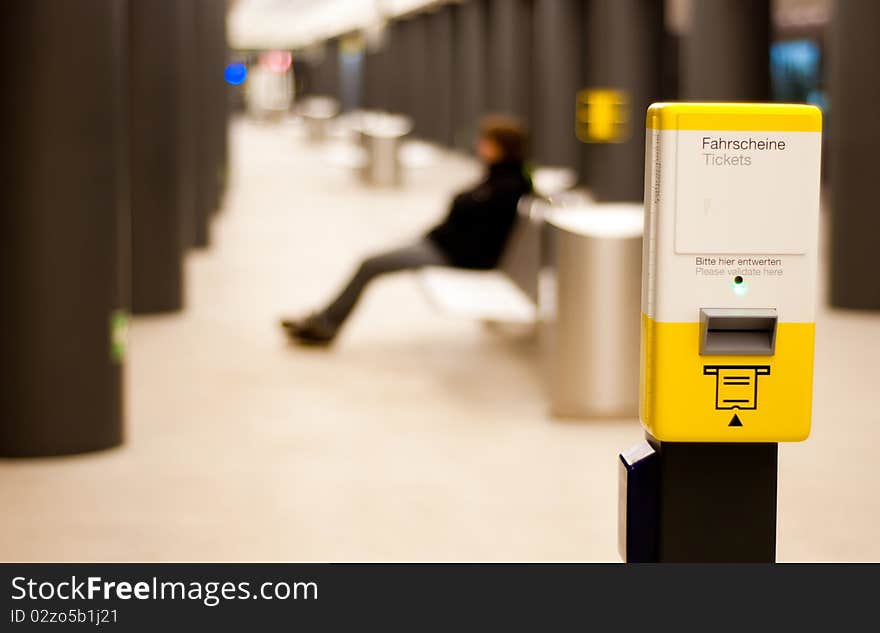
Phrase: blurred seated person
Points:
(473, 235)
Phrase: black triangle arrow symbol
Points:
(735, 421)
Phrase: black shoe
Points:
(314, 329)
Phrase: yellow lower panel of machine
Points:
(686, 397)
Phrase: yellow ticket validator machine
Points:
(728, 296)
(729, 273)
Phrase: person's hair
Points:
(508, 133)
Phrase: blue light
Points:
(796, 69)
(235, 73)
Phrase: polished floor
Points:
(418, 437)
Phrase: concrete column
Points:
(558, 70)
(329, 69)
(319, 77)
(470, 70)
(211, 112)
(64, 216)
(221, 49)
(187, 136)
(440, 71)
(303, 76)
(624, 53)
(384, 72)
(854, 136)
(371, 76)
(415, 64)
(155, 130)
(726, 53)
(510, 57)
(398, 87)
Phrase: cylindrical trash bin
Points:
(380, 136)
(549, 181)
(594, 337)
(346, 127)
(317, 112)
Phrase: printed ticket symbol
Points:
(736, 386)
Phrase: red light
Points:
(276, 61)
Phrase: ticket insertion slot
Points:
(738, 331)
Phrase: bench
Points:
(505, 295)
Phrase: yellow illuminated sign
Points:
(602, 116)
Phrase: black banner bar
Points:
(413, 597)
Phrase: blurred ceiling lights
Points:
(263, 24)
(293, 24)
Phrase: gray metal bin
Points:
(380, 136)
(317, 112)
(592, 337)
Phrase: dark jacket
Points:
(475, 232)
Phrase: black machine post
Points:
(690, 502)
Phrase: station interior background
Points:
(164, 208)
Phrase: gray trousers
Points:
(410, 257)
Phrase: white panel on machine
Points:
(718, 173)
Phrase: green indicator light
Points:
(740, 288)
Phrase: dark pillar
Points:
(371, 77)
(187, 137)
(624, 53)
(156, 225)
(470, 71)
(303, 76)
(415, 64)
(726, 54)
(222, 92)
(854, 135)
(383, 71)
(558, 50)
(510, 57)
(440, 72)
(395, 66)
(63, 208)
(211, 114)
(329, 75)
(403, 69)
